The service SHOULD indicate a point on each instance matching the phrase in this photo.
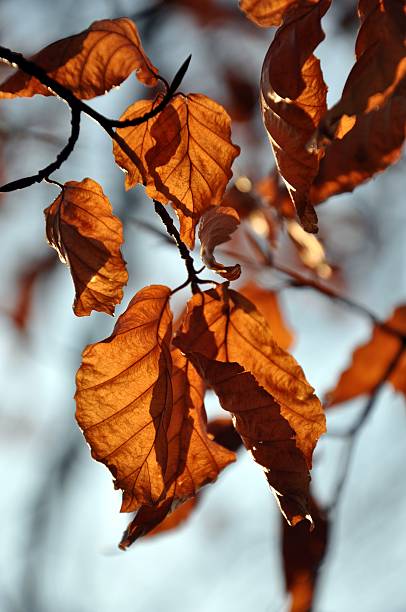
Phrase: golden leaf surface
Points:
(81, 226)
(266, 13)
(124, 398)
(89, 63)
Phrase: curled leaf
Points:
(216, 226)
(266, 13)
(293, 98)
(89, 63)
(81, 226)
(124, 398)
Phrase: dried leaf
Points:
(303, 551)
(81, 226)
(380, 65)
(267, 303)
(266, 13)
(190, 164)
(216, 226)
(89, 63)
(374, 143)
(293, 97)
(370, 363)
(194, 459)
(230, 343)
(309, 248)
(124, 398)
(224, 433)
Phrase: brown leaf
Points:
(124, 398)
(194, 459)
(380, 65)
(224, 433)
(293, 97)
(374, 143)
(266, 13)
(190, 164)
(230, 342)
(216, 226)
(267, 303)
(370, 363)
(81, 226)
(303, 551)
(89, 63)
(275, 195)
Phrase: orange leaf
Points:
(266, 13)
(293, 97)
(371, 361)
(380, 65)
(216, 226)
(267, 303)
(303, 551)
(89, 63)
(230, 342)
(374, 143)
(81, 226)
(190, 164)
(194, 459)
(124, 398)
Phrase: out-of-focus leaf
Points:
(216, 226)
(380, 65)
(374, 143)
(303, 551)
(243, 95)
(370, 363)
(194, 459)
(267, 303)
(224, 433)
(81, 226)
(89, 63)
(309, 249)
(266, 13)
(275, 195)
(276, 413)
(293, 98)
(124, 398)
(190, 164)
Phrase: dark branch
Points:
(55, 165)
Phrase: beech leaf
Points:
(216, 226)
(81, 226)
(89, 63)
(266, 13)
(124, 398)
(293, 98)
(371, 361)
(276, 413)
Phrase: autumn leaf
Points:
(190, 164)
(293, 98)
(267, 303)
(266, 13)
(224, 433)
(124, 398)
(89, 63)
(194, 459)
(373, 362)
(216, 226)
(276, 412)
(303, 551)
(81, 226)
(380, 65)
(373, 143)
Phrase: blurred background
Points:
(60, 514)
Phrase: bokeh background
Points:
(59, 512)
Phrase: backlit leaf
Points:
(293, 97)
(190, 164)
(124, 398)
(216, 226)
(276, 413)
(370, 363)
(194, 459)
(266, 13)
(89, 63)
(81, 226)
